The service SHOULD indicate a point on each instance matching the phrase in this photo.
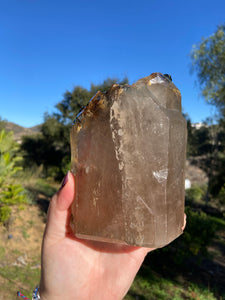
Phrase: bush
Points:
(191, 246)
(10, 192)
(221, 195)
(200, 231)
(5, 213)
(195, 193)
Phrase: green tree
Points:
(191, 139)
(208, 61)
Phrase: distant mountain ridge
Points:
(20, 131)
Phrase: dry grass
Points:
(20, 255)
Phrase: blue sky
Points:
(48, 47)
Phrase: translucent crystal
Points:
(128, 150)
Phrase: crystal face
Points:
(128, 149)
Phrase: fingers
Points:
(59, 211)
(185, 220)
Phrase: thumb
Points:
(59, 209)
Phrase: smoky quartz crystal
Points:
(128, 148)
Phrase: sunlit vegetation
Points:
(30, 173)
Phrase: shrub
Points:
(195, 193)
(221, 195)
(200, 231)
(191, 247)
(5, 213)
(10, 192)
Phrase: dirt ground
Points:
(20, 248)
(20, 251)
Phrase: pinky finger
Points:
(185, 221)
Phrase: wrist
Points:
(36, 295)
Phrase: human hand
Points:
(79, 269)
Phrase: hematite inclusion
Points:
(128, 149)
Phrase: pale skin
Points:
(77, 269)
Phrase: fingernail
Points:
(65, 180)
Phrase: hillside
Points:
(20, 131)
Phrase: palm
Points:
(107, 272)
(85, 269)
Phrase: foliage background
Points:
(192, 267)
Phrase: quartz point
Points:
(128, 149)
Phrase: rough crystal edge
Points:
(117, 241)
